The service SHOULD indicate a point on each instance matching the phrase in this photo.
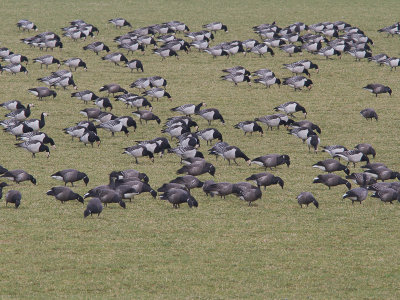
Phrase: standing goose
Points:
(42, 92)
(75, 63)
(64, 194)
(20, 114)
(377, 88)
(215, 26)
(114, 126)
(115, 57)
(113, 88)
(189, 181)
(157, 93)
(290, 108)
(34, 147)
(14, 196)
(331, 165)
(36, 124)
(85, 96)
(209, 134)
(138, 151)
(179, 196)
(313, 141)
(272, 160)
(135, 64)
(94, 206)
(18, 176)
(331, 180)
(14, 68)
(233, 152)
(387, 195)
(356, 195)
(47, 60)
(120, 22)
(97, 47)
(266, 179)
(70, 176)
(353, 156)
(298, 82)
(211, 114)
(146, 115)
(306, 198)
(249, 126)
(236, 78)
(369, 113)
(392, 62)
(367, 149)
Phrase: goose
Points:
(261, 49)
(64, 81)
(211, 114)
(367, 149)
(272, 160)
(89, 137)
(392, 62)
(146, 115)
(290, 108)
(328, 51)
(157, 93)
(76, 34)
(135, 101)
(103, 103)
(141, 83)
(167, 186)
(298, 82)
(26, 25)
(34, 147)
(271, 121)
(188, 181)
(165, 52)
(331, 165)
(236, 70)
(249, 126)
(138, 186)
(236, 78)
(15, 59)
(14, 196)
(221, 189)
(215, 26)
(5, 52)
(85, 96)
(374, 166)
(313, 141)
(177, 45)
(91, 112)
(178, 26)
(2, 185)
(119, 22)
(105, 117)
(179, 196)
(290, 49)
(209, 134)
(331, 180)
(232, 153)
(115, 57)
(51, 44)
(306, 198)
(42, 92)
(131, 46)
(75, 63)
(107, 196)
(18, 176)
(128, 174)
(274, 42)
(47, 60)
(250, 195)
(200, 45)
(377, 88)
(70, 176)
(383, 174)
(186, 152)
(188, 109)
(359, 54)
(18, 129)
(12, 105)
(334, 149)
(197, 168)
(297, 68)
(353, 156)
(181, 120)
(200, 35)
(64, 194)
(379, 58)
(268, 81)
(362, 179)
(36, 124)
(158, 82)
(306, 124)
(94, 206)
(387, 195)
(390, 30)
(369, 113)
(113, 88)
(176, 130)
(14, 68)
(301, 133)
(21, 114)
(216, 51)
(312, 46)
(97, 47)
(114, 126)
(189, 139)
(138, 151)
(266, 179)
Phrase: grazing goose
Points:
(249, 126)
(268, 81)
(367, 149)
(290, 49)
(331, 165)
(237, 69)
(42, 92)
(216, 51)
(2, 184)
(362, 179)
(331, 180)
(64, 194)
(34, 147)
(165, 52)
(85, 96)
(272, 160)
(218, 149)
(106, 196)
(114, 126)
(176, 130)
(141, 83)
(359, 54)
(211, 114)
(312, 46)
(215, 26)
(328, 51)
(353, 156)
(274, 42)
(188, 181)
(302, 133)
(26, 25)
(12, 105)
(306, 198)
(115, 57)
(16, 59)
(18, 129)
(379, 58)
(369, 113)
(263, 73)
(290, 108)
(186, 152)
(158, 82)
(383, 173)
(91, 112)
(167, 186)
(146, 115)
(97, 47)
(70, 176)
(334, 149)
(64, 81)
(179, 196)
(298, 82)
(47, 60)
(266, 179)
(21, 114)
(392, 62)
(18, 176)
(119, 22)
(387, 195)
(14, 196)
(297, 68)
(94, 206)
(157, 93)
(271, 121)
(221, 189)
(209, 134)
(261, 49)
(233, 152)
(306, 124)
(75, 63)
(197, 168)
(89, 137)
(113, 88)
(129, 174)
(236, 78)
(135, 64)
(250, 195)
(308, 64)
(188, 109)
(103, 103)
(14, 68)
(131, 46)
(138, 151)
(312, 142)
(377, 88)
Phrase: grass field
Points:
(223, 248)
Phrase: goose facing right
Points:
(305, 198)
(64, 194)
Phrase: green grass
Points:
(222, 249)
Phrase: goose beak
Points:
(249, 162)
(48, 154)
(98, 144)
(54, 146)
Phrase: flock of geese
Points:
(327, 39)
